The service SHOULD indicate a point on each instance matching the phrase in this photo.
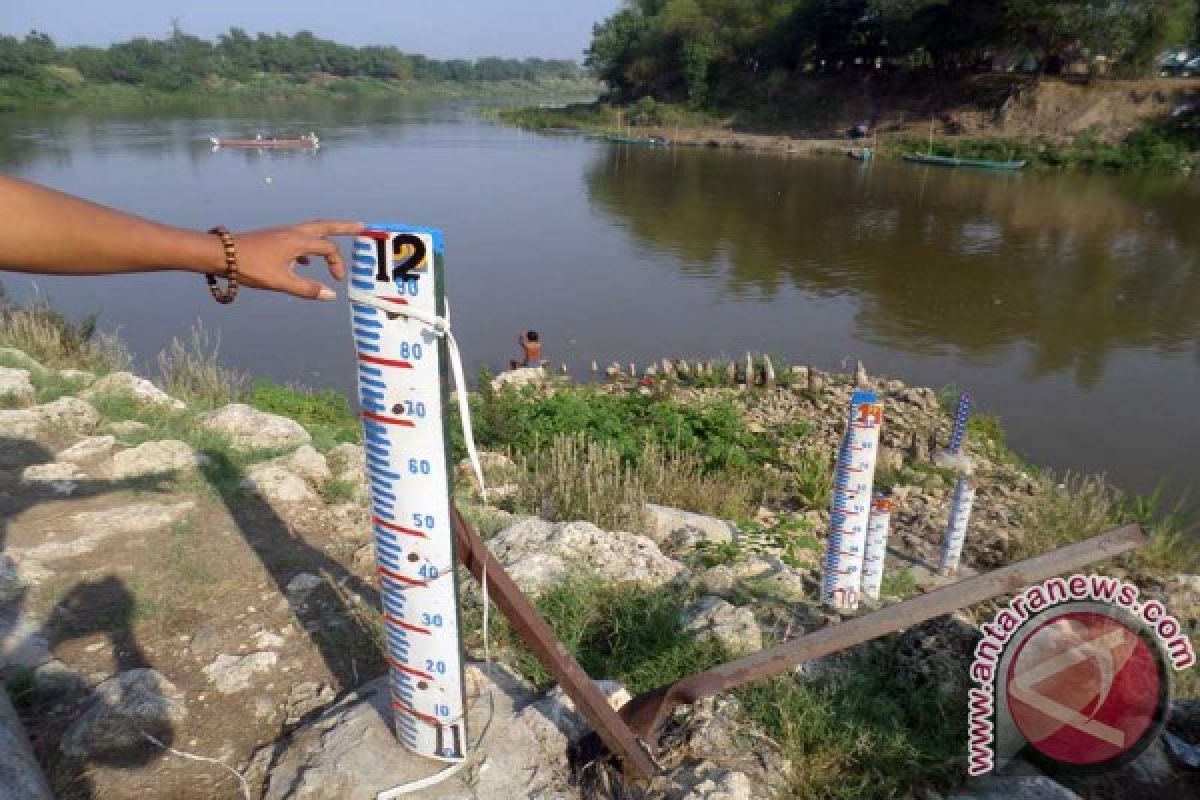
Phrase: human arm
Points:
(48, 232)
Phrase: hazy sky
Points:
(442, 28)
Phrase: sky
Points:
(441, 29)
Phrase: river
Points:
(1067, 304)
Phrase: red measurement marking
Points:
(391, 526)
(379, 236)
(408, 669)
(397, 300)
(408, 626)
(404, 423)
(396, 576)
(396, 704)
(384, 362)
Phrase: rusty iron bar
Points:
(634, 753)
(647, 712)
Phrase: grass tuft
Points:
(192, 372)
(54, 341)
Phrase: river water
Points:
(1067, 304)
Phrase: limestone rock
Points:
(232, 674)
(125, 427)
(1014, 787)
(556, 721)
(59, 478)
(10, 580)
(304, 582)
(337, 754)
(251, 429)
(734, 628)
(90, 528)
(541, 552)
(92, 448)
(152, 458)
(685, 529)
(140, 389)
(77, 376)
(938, 653)
(711, 782)
(64, 416)
(306, 462)
(520, 378)
(121, 708)
(283, 489)
(15, 385)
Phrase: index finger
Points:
(329, 227)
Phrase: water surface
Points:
(1068, 304)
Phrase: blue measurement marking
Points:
(371, 336)
(961, 414)
(376, 450)
(362, 247)
(366, 322)
(394, 605)
(374, 394)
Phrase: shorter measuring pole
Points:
(877, 538)
(964, 491)
(842, 579)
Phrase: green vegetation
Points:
(193, 372)
(34, 70)
(51, 340)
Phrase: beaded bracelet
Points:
(225, 296)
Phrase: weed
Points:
(578, 479)
(811, 473)
(49, 338)
(192, 371)
(339, 491)
(898, 583)
(10, 400)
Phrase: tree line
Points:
(715, 52)
(182, 60)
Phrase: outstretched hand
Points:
(267, 258)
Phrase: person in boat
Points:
(531, 351)
(51, 233)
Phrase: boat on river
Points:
(309, 142)
(951, 161)
(647, 141)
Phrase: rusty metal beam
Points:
(541, 639)
(647, 712)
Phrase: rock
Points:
(710, 782)
(284, 490)
(130, 385)
(232, 674)
(496, 467)
(719, 580)
(125, 427)
(15, 386)
(337, 754)
(251, 429)
(304, 582)
(890, 458)
(861, 379)
(305, 698)
(520, 378)
(55, 677)
(93, 448)
(59, 478)
(1015, 787)
(938, 653)
(154, 458)
(347, 461)
(77, 376)
(541, 553)
(556, 721)
(90, 528)
(66, 415)
(685, 529)
(306, 462)
(10, 581)
(121, 708)
(770, 575)
(1184, 719)
(21, 776)
(732, 627)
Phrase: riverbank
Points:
(75, 94)
(1148, 125)
(180, 556)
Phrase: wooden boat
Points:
(650, 141)
(303, 143)
(861, 153)
(950, 161)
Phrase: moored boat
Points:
(302, 143)
(649, 141)
(950, 161)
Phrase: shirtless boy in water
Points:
(531, 349)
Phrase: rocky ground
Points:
(216, 596)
